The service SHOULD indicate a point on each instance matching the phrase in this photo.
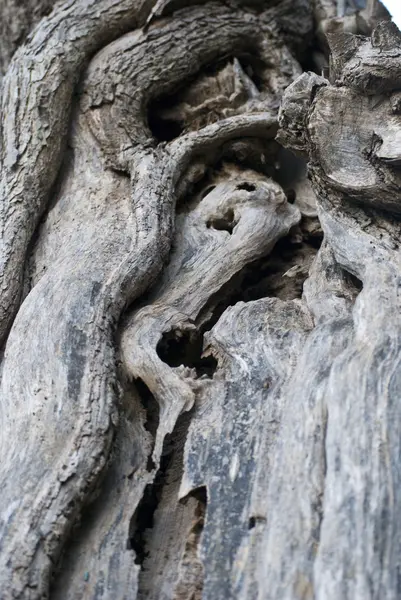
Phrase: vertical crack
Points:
(142, 519)
(152, 410)
(165, 532)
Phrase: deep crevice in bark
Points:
(354, 284)
(161, 510)
(253, 521)
(152, 410)
(233, 79)
(163, 129)
(185, 348)
(142, 519)
(281, 274)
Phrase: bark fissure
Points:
(152, 418)
(160, 515)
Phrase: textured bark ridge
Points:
(200, 365)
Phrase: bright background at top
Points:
(394, 7)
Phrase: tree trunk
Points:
(199, 300)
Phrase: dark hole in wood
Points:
(179, 348)
(308, 60)
(316, 239)
(266, 277)
(143, 518)
(206, 365)
(185, 348)
(290, 169)
(254, 67)
(164, 130)
(354, 284)
(253, 520)
(224, 223)
(200, 493)
(248, 187)
(357, 283)
(252, 64)
(251, 153)
(291, 196)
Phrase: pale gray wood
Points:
(196, 401)
(17, 19)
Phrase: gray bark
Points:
(200, 331)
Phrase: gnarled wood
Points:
(199, 397)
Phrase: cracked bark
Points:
(200, 330)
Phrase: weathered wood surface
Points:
(199, 397)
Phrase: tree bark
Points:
(199, 300)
